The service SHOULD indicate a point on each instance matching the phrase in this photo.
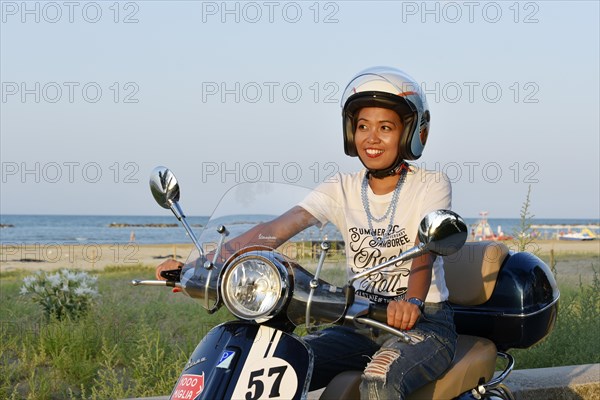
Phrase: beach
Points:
(574, 259)
(87, 257)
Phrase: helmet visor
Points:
(384, 83)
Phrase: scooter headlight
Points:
(254, 286)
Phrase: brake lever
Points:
(385, 327)
(173, 275)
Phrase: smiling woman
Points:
(377, 137)
(377, 211)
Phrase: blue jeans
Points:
(391, 368)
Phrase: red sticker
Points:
(188, 387)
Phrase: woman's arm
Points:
(272, 234)
(402, 314)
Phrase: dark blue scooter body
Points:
(245, 360)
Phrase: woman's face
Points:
(377, 137)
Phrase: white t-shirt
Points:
(339, 202)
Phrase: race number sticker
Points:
(188, 387)
(265, 376)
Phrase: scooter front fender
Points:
(243, 360)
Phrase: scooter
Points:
(501, 300)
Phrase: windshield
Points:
(243, 207)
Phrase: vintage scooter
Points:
(501, 301)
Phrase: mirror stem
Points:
(407, 255)
(181, 217)
(177, 210)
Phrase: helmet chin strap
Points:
(392, 170)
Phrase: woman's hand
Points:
(402, 314)
(170, 264)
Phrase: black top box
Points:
(522, 307)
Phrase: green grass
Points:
(135, 340)
(571, 255)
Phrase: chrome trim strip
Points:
(522, 315)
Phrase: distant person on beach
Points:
(132, 237)
(386, 123)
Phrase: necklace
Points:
(391, 210)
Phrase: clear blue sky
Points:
(95, 94)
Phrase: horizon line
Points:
(208, 215)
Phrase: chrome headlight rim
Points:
(271, 260)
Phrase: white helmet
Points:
(395, 90)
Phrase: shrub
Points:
(63, 294)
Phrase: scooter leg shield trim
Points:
(380, 364)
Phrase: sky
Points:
(96, 94)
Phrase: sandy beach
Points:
(574, 258)
(87, 257)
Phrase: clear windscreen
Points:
(245, 206)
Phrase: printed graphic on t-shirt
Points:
(364, 251)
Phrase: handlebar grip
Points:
(378, 312)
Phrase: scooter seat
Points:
(471, 272)
(474, 362)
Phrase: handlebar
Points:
(378, 312)
(376, 317)
(138, 282)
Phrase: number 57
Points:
(257, 387)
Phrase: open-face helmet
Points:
(395, 90)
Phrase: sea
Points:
(112, 229)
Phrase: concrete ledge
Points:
(575, 382)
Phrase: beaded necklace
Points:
(391, 210)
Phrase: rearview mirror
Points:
(164, 187)
(442, 232)
(165, 190)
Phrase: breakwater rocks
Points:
(6, 226)
(125, 225)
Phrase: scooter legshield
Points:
(242, 360)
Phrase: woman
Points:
(377, 210)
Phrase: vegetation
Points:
(523, 238)
(134, 341)
(62, 294)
